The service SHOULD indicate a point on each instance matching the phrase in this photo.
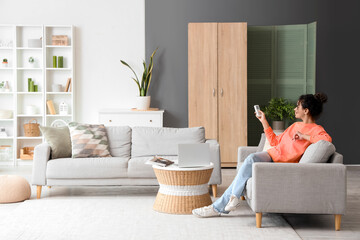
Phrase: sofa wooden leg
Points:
(49, 186)
(214, 189)
(258, 220)
(242, 198)
(337, 222)
(38, 192)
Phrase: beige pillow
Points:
(59, 140)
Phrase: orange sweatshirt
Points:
(288, 150)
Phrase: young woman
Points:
(288, 147)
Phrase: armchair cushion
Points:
(319, 152)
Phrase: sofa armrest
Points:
(215, 159)
(336, 158)
(244, 152)
(41, 157)
(299, 188)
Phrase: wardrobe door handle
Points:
(214, 92)
(221, 92)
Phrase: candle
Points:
(54, 61)
(32, 86)
(60, 62)
(29, 80)
(35, 88)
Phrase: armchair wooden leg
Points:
(258, 220)
(242, 198)
(38, 192)
(214, 189)
(337, 222)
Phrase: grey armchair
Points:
(312, 188)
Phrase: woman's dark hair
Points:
(313, 102)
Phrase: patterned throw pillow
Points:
(88, 140)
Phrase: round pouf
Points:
(14, 189)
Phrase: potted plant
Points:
(143, 102)
(5, 62)
(31, 61)
(278, 110)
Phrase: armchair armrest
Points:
(215, 159)
(41, 156)
(244, 152)
(299, 188)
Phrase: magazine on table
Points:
(159, 161)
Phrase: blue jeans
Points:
(238, 185)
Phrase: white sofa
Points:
(130, 148)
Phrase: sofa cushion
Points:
(249, 188)
(150, 141)
(112, 167)
(88, 140)
(119, 140)
(138, 168)
(59, 140)
(319, 152)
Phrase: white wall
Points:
(105, 31)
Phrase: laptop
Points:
(194, 155)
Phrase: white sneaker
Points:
(232, 204)
(206, 212)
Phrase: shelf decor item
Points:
(51, 107)
(3, 132)
(5, 114)
(32, 61)
(143, 101)
(278, 110)
(5, 63)
(63, 108)
(60, 62)
(32, 129)
(60, 40)
(5, 152)
(6, 86)
(30, 110)
(27, 153)
(54, 62)
(56, 87)
(68, 85)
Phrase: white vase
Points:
(143, 103)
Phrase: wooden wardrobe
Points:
(217, 75)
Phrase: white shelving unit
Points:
(14, 47)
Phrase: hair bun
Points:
(321, 97)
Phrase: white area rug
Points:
(130, 217)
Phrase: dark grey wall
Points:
(338, 54)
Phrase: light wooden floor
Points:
(307, 226)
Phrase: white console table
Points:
(132, 118)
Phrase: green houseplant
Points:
(278, 110)
(5, 62)
(144, 83)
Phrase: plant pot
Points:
(143, 103)
(278, 125)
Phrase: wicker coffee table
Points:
(182, 189)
